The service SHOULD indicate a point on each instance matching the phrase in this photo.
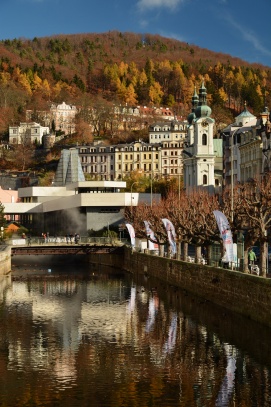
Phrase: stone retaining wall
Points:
(5, 260)
(246, 294)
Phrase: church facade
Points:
(199, 155)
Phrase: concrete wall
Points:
(246, 294)
(5, 260)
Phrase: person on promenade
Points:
(251, 257)
(29, 241)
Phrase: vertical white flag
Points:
(131, 233)
(225, 233)
(170, 233)
(150, 234)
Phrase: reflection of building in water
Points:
(5, 284)
(53, 306)
(59, 316)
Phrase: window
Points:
(204, 139)
(204, 179)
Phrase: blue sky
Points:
(240, 28)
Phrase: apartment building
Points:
(171, 136)
(98, 161)
(138, 156)
(162, 156)
(103, 162)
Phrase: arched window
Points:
(204, 179)
(204, 139)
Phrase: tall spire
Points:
(195, 101)
(203, 110)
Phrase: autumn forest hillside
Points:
(123, 68)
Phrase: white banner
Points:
(150, 234)
(225, 233)
(170, 233)
(131, 231)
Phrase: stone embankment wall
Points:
(246, 294)
(115, 260)
(5, 260)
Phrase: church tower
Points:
(199, 157)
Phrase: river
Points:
(72, 334)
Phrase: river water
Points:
(79, 335)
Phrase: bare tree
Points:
(254, 214)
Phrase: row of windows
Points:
(172, 162)
(14, 131)
(176, 128)
(171, 152)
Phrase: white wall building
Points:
(199, 156)
(27, 132)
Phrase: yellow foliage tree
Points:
(36, 83)
(4, 78)
(223, 95)
(131, 95)
(156, 93)
(24, 82)
(143, 80)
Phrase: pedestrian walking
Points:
(251, 259)
(252, 256)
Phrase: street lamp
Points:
(232, 139)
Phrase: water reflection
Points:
(98, 339)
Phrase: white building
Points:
(237, 168)
(199, 155)
(74, 206)
(27, 132)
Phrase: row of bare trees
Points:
(195, 224)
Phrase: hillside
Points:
(122, 68)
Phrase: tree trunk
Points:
(209, 254)
(161, 250)
(246, 269)
(198, 254)
(263, 259)
(185, 251)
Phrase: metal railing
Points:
(64, 240)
